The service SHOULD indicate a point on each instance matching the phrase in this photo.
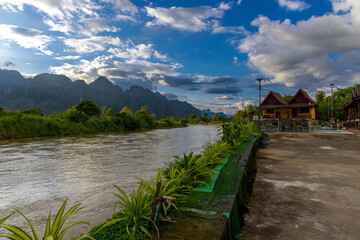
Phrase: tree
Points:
(127, 111)
(287, 97)
(89, 108)
(319, 96)
(109, 113)
(35, 111)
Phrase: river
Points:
(38, 175)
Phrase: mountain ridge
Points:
(56, 93)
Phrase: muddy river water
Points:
(38, 175)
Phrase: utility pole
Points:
(259, 80)
(332, 104)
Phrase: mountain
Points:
(56, 93)
(9, 78)
(211, 113)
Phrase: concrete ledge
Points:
(218, 214)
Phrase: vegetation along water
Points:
(132, 218)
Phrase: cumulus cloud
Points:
(293, 5)
(26, 37)
(195, 19)
(307, 53)
(143, 70)
(225, 98)
(142, 51)
(169, 96)
(78, 16)
(92, 44)
(60, 9)
(217, 28)
(67, 57)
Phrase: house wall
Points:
(288, 114)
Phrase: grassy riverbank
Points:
(132, 212)
(84, 118)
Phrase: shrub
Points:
(35, 111)
(75, 115)
(89, 108)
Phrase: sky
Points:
(208, 53)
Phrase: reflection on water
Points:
(36, 176)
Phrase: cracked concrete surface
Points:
(307, 187)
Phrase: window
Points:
(269, 111)
(304, 110)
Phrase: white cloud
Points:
(195, 19)
(226, 98)
(67, 57)
(235, 61)
(238, 2)
(124, 6)
(302, 54)
(141, 51)
(77, 16)
(89, 70)
(60, 9)
(92, 44)
(217, 28)
(26, 37)
(293, 5)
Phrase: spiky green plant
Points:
(168, 188)
(135, 211)
(54, 231)
(214, 153)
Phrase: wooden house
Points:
(352, 108)
(300, 106)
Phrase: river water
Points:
(38, 175)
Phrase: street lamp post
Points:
(259, 80)
(332, 104)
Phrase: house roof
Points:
(291, 104)
(305, 95)
(355, 98)
(277, 97)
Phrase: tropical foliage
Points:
(54, 231)
(340, 97)
(81, 119)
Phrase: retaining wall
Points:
(216, 211)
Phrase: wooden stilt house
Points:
(300, 106)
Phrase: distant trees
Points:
(320, 96)
(89, 108)
(109, 113)
(287, 97)
(35, 111)
(127, 111)
(249, 112)
(340, 98)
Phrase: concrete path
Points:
(307, 187)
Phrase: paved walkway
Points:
(307, 187)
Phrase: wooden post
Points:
(153, 211)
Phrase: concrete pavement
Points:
(307, 187)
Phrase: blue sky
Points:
(208, 53)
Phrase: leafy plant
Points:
(54, 231)
(213, 154)
(135, 211)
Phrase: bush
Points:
(89, 108)
(35, 111)
(76, 116)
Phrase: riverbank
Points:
(307, 187)
(41, 174)
(216, 211)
